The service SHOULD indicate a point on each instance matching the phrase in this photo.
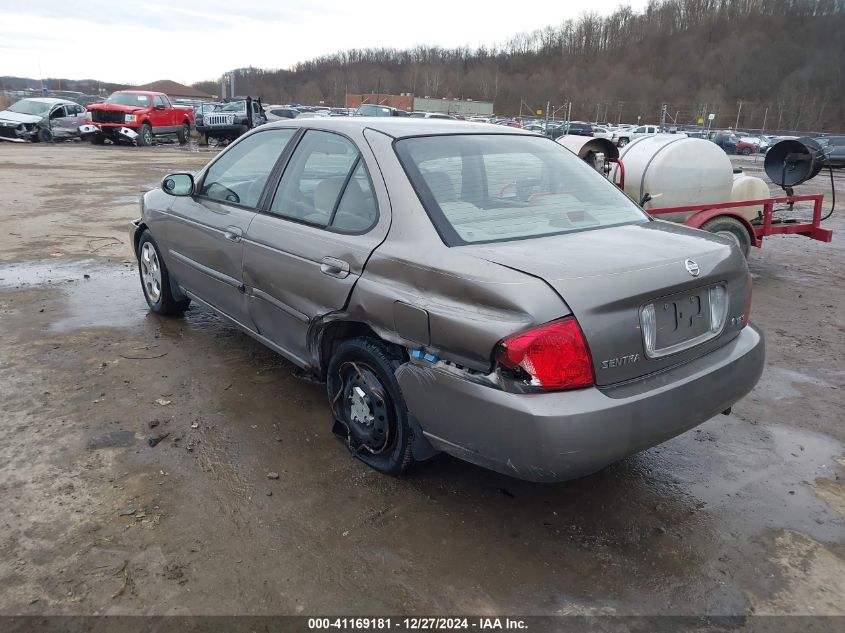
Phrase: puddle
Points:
(95, 295)
(756, 477)
(115, 439)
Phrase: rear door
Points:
(304, 255)
(204, 233)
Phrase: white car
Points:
(602, 132)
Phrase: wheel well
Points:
(137, 237)
(333, 334)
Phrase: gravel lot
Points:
(745, 514)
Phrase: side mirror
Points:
(180, 184)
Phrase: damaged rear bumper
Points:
(564, 435)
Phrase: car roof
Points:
(400, 127)
(50, 100)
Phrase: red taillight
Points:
(746, 314)
(554, 355)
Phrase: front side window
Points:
(326, 184)
(159, 102)
(241, 172)
(491, 188)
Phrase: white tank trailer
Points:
(670, 170)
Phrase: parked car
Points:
(430, 115)
(138, 116)
(232, 120)
(747, 146)
(577, 128)
(41, 119)
(728, 141)
(509, 122)
(602, 132)
(477, 290)
(834, 148)
(371, 109)
(623, 137)
(279, 113)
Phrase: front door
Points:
(303, 257)
(204, 233)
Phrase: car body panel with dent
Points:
(41, 119)
(471, 250)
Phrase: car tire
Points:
(98, 139)
(731, 228)
(184, 134)
(44, 135)
(622, 142)
(368, 406)
(746, 151)
(155, 279)
(145, 135)
(243, 129)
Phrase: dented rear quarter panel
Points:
(470, 304)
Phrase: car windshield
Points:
(129, 99)
(235, 106)
(26, 106)
(492, 188)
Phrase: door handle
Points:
(233, 233)
(334, 267)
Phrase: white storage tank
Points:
(675, 170)
(749, 188)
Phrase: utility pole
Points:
(738, 112)
(663, 117)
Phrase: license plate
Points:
(681, 318)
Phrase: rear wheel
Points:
(145, 135)
(155, 279)
(368, 405)
(746, 151)
(732, 229)
(622, 142)
(184, 134)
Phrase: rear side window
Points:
(240, 174)
(492, 188)
(326, 184)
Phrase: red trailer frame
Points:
(758, 230)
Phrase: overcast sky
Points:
(127, 41)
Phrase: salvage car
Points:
(137, 117)
(232, 120)
(460, 287)
(41, 119)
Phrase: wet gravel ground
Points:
(743, 515)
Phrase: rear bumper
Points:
(560, 436)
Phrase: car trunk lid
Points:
(607, 276)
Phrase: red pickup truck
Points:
(137, 116)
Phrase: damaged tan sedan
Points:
(464, 288)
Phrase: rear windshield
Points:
(129, 99)
(493, 188)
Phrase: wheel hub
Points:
(150, 272)
(365, 408)
(360, 411)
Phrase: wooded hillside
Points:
(697, 56)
